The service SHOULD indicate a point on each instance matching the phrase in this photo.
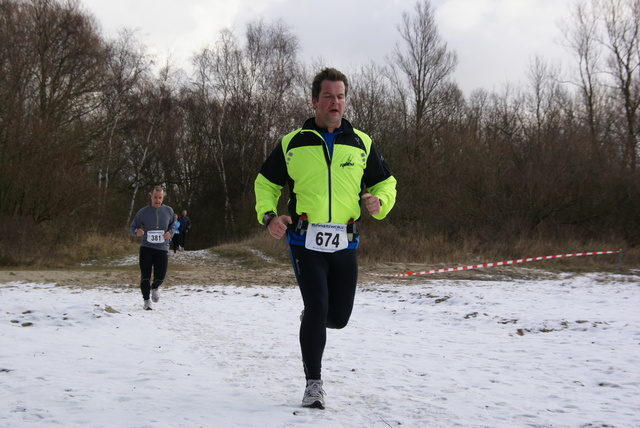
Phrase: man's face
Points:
(156, 199)
(330, 105)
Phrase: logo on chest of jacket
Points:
(349, 162)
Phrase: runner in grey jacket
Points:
(149, 220)
(154, 224)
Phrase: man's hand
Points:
(278, 226)
(372, 203)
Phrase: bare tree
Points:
(15, 75)
(248, 89)
(217, 70)
(155, 136)
(128, 67)
(370, 98)
(543, 102)
(424, 61)
(582, 37)
(54, 66)
(605, 37)
(622, 23)
(271, 53)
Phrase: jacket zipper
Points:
(328, 159)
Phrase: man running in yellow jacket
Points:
(331, 168)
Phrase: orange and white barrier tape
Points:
(509, 262)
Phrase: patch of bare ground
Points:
(185, 268)
(243, 266)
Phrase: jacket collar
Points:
(311, 124)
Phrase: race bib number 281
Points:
(326, 237)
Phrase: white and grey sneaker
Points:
(313, 395)
(147, 305)
(155, 295)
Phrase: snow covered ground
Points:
(562, 352)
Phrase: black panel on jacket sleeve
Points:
(377, 169)
(274, 167)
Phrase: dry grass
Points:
(81, 248)
(388, 246)
(438, 251)
(93, 246)
(380, 245)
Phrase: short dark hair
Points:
(330, 74)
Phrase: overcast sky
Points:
(494, 39)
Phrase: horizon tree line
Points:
(88, 126)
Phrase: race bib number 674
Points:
(326, 237)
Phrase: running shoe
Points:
(313, 395)
(155, 295)
(147, 305)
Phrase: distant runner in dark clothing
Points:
(185, 226)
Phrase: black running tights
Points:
(156, 260)
(327, 283)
